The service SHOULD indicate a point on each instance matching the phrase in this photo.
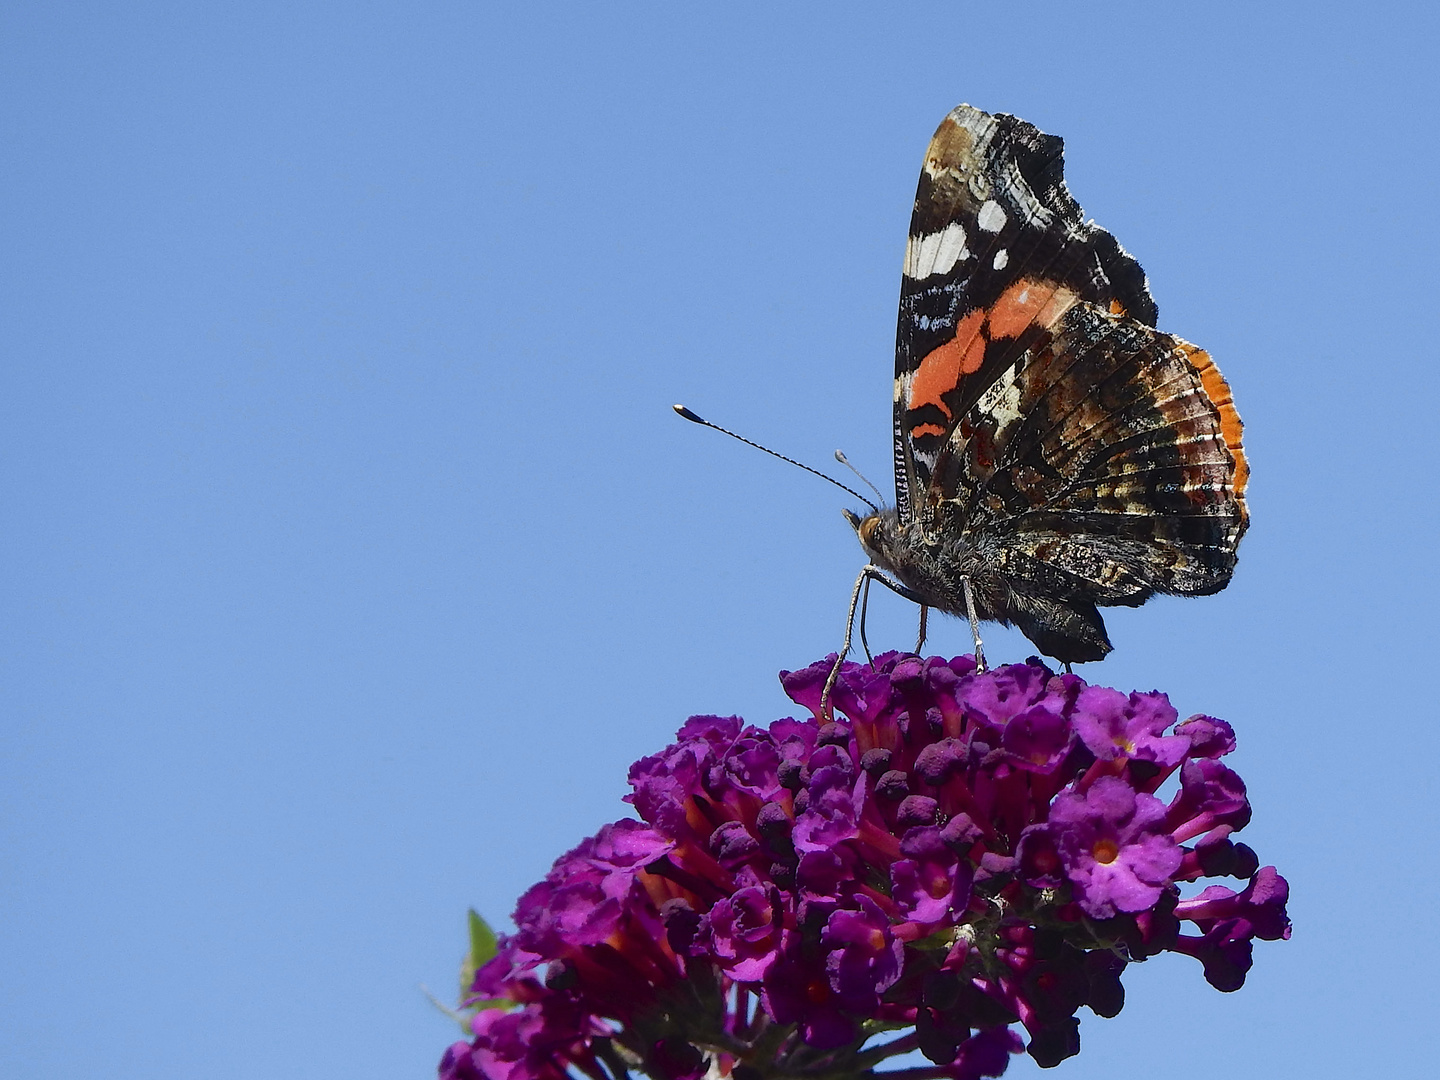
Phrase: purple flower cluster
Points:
(963, 852)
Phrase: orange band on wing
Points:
(1218, 391)
(941, 371)
(1029, 303)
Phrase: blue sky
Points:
(352, 551)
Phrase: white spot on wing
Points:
(1001, 258)
(902, 387)
(935, 253)
(991, 218)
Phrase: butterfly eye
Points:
(870, 532)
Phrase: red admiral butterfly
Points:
(1054, 452)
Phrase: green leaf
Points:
(483, 946)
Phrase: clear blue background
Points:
(351, 551)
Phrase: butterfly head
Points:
(878, 532)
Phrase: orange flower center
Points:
(1105, 851)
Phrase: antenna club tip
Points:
(687, 414)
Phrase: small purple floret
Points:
(1114, 726)
(1112, 842)
(865, 956)
(742, 932)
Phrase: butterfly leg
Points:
(862, 583)
(924, 618)
(974, 624)
(865, 607)
(845, 647)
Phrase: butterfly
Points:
(1055, 453)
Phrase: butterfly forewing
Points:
(997, 248)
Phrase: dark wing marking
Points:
(997, 251)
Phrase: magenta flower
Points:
(932, 882)
(1114, 726)
(1113, 845)
(742, 932)
(948, 855)
(863, 957)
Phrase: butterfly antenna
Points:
(688, 415)
(843, 460)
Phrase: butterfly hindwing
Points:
(1120, 473)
